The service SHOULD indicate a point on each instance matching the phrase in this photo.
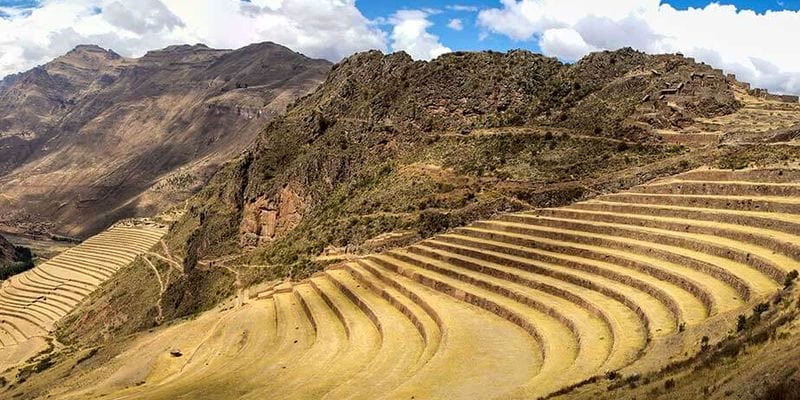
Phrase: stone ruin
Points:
(766, 95)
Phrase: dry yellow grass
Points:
(515, 307)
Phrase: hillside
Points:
(13, 259)
(8, 253)
(392, 146)
(483, 225)
(93, 137)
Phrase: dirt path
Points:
(162, 287)
(171, 262)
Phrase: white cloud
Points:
(565, 42)
(410, 34)
(456, 24)
(461, 7)
(141, 17)
(757, 47)
(329, 29)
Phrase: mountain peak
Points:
(93, 49)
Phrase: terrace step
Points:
(776, 247)
(502, 357)
(693, 271)
(557, 337)
(589, 311)
(738, 188)
(737, 203)
(760, 175)
(757, 260)
(580, 265)
(326, 362)
(661, 313)
(362, 333)
(400, 348)
(782, 222)
(302, 342)
(422, 317)
(33, 301)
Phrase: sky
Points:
(754, 39)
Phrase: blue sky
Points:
(754, 39)
(469, 37)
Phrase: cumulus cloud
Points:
(754, 46)
(410, 34)
(36, 33)
(456, 24)
(567, 43)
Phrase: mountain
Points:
(92, 137)
(389, 150)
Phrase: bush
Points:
(44, 364)
(760, 308)
(782, 391)
(432, 222)
(9, 270)
(88, 355)
(790, 278)
(741, 323)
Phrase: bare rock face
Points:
(266, 219)
(92, 137)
